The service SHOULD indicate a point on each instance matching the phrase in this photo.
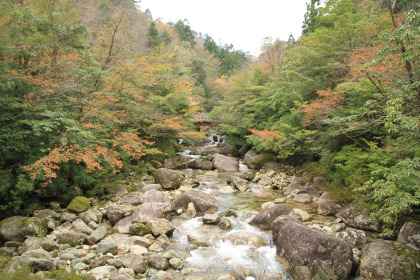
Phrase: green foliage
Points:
(153, 36)
(184, 31)
(393, 191)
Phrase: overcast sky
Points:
(244, 23)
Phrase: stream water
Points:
(224, 256)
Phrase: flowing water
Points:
(246, 260)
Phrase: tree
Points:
(153, 37)
(184, 32)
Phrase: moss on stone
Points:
(79, 204)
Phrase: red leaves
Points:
(322, 107)
(264, 135)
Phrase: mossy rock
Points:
(18, 228)
(139, 229)
(385, 259)
(34, 226)
(78, 205)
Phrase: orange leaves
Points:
(322, 107)
(264, 135)
(45, 169)
(131, 144)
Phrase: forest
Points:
(94, 91)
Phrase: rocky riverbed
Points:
(212, 216)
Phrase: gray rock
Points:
(358, 218)
(115, 262)
(80, 226)
(211, 219)
(161, 243)
(264, 219)
(143, 187)
(67, 256)
(88, 217)
(410, 234)
(115, 213)
(38, 260)
(303, 198)
(155, 196)
(103, 272)
(203, 202)
(226, 163)
(33, 243)
(135, 262)
(99, 261)
(312, 254)
(18, 228)
(72, 238)
(200, 164)
(107, 247)
(176, 263)
(139, 229)
(225, 223)
(132, 199)
(123, 225)
(384, 259)
(168, 178)
(139, 240)
(80, 266)
(97, 234)
(161, 226)
(327, 204)
(179, 162)
(45, 214)
(265, 181)
(68, 217)
(241, 184)
(256, 161)
(151, 211)
(158, 261)
(355, 238)
(197, 241)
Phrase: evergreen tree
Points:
(153, 37)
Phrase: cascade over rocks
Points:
(203, 202)
(129, 238)
(312, 254)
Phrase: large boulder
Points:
(161, 226)
(264, 219)
(326, 204)
(354, 237)
(359, 218)
(226, 163)
(38, 260)
(34, 243)
(154, 196)
(385, 259)
(229, 149)
(78, 205)
(201, 164)
(18, 228)
(410, 234)
(115, 213)
(203, 202)
(257, 161)
(179, 162)
(168, 178)
(151, 211)
(311, 254)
